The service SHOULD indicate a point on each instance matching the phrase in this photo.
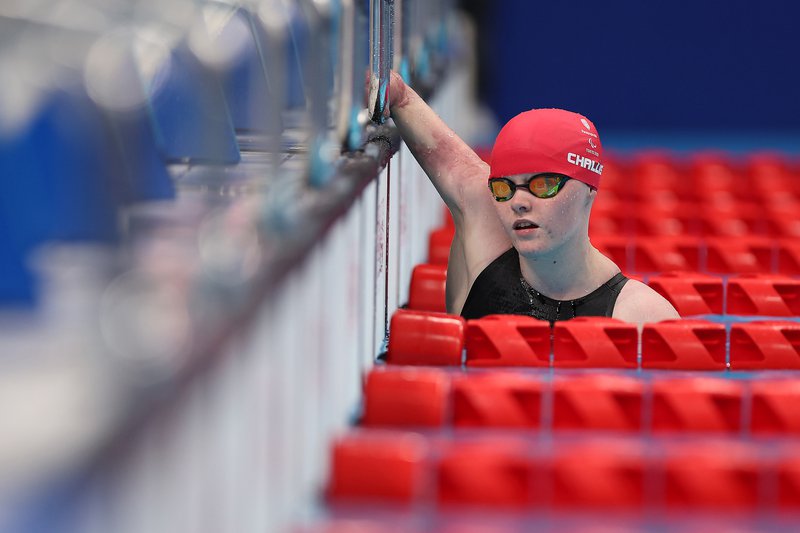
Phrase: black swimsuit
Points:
(501, 289)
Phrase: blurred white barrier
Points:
(247, 450)
(109, 427)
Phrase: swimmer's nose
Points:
(520, 205)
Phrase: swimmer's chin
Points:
(533, 246)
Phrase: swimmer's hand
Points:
(398, 92)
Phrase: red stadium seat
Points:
(690, 404)
(595, 342)
(411, 397)
(594, 402)
(721, 476)
(424, 338)
(497, 399)
(769, 176)
(439, 245)
(774, 406)
(691, 293)
(785, 225)
(615, 175)
(601, 226)
(684, 345)
(765, 345)
(428, 287)
(764, 163)
(615, 247)
(600, 475)
(739, 219)
(764, 294)
(714, 173)
(656, 173)
(610, 215)
(789, 257)
(610, 203)
(494, 472)
(783, 200)
(788, 474)
(666, 218)
(508, 340)
(740, 255)
(377, 466)
(663, 254)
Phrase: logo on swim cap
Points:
(586, 124)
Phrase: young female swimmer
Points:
(521, 243)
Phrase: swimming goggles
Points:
(543, 185)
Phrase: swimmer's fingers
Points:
(398, 92)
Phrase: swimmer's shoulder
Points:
(639, 303)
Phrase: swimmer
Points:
(521, 242)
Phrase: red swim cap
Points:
(548, 140)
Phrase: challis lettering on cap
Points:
(585, 162)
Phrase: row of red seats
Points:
(725, 201)
(691, 293)
(700, 176)
(651, 220)
(638, 191)
(718, 255)
(426, 338)
(710, 195)
(699, 220)
(434, 398)
(513, 473)
(722, 255)
(564, 522)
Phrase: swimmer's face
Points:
(540, 226)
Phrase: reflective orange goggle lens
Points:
(544, 185)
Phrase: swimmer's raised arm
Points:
(454, 168)
(460, 177)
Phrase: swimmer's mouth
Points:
(524, 224)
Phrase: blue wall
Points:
(665, 67)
